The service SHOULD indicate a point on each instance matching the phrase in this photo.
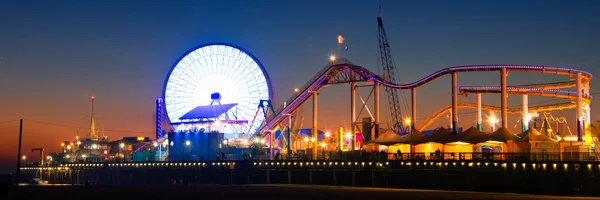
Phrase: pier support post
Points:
(373, 178)
(504, 97)
(334, 177)
(353, 178)
(268, 176)
(454, 102)
(289, 176)
(479, 119)
(310, 177)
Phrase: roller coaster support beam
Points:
(525, 115)
(479, 120)
(587, 118)
(579, 108)
(413, 95)
(315, 129)
(376, 112)
(353, 113)
(289, 136)
(504, 97)
(454, 103)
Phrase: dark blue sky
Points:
(55, 54)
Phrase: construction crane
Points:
(389, 69)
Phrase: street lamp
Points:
(409, 124)
(493, 122)
(332, 58)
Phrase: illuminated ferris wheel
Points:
(216, 82)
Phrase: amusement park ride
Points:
(185, 113)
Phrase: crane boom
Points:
(388, 68)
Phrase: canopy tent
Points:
(389, 137)
(441, 136)
(503, 135)
(473, 136)
(533, 135)
(414, 137)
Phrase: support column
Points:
(587, 116)
(413, 95)
(579, 101)
(315, 130)
(289, 137)
(376, 112)
(504, 97)
(353, 113)
(479, 120)
(454, 103)
(525, 117)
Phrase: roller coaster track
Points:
(442, 111)
(346, 72)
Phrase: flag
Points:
(346, 47)
(340, 39)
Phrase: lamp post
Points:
(409, 123)
(187, 144)
(121, 145)
(154, 146)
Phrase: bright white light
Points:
(187, 143)
(69, 147)
(262, 141)
(155, 144)
(225, 142)
(94, 146)
(332, 58)
(121, 145)
(312, 139)
(348, 136)
(245, 142)
(217, 68)
(256, 140)
(327, 134)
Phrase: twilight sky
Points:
(55, 54)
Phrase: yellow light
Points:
(78, 142)
(121, 145)
(155, 144)
(312, 139)
(24, 157)
(327, 134)
(256, 140)
(262, 141)
(305, 139)
(332, 58)
(245, 142)
(407, 121)
(295, 89)
(69, 147)
(323, 144)
(62, 144)
(140, 138)
(348, 136)
(493, 120)
(67, 156)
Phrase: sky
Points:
(54, 55)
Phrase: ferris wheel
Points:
(220, 68)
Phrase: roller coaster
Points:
(342, 71)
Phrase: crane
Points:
(389, 69)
